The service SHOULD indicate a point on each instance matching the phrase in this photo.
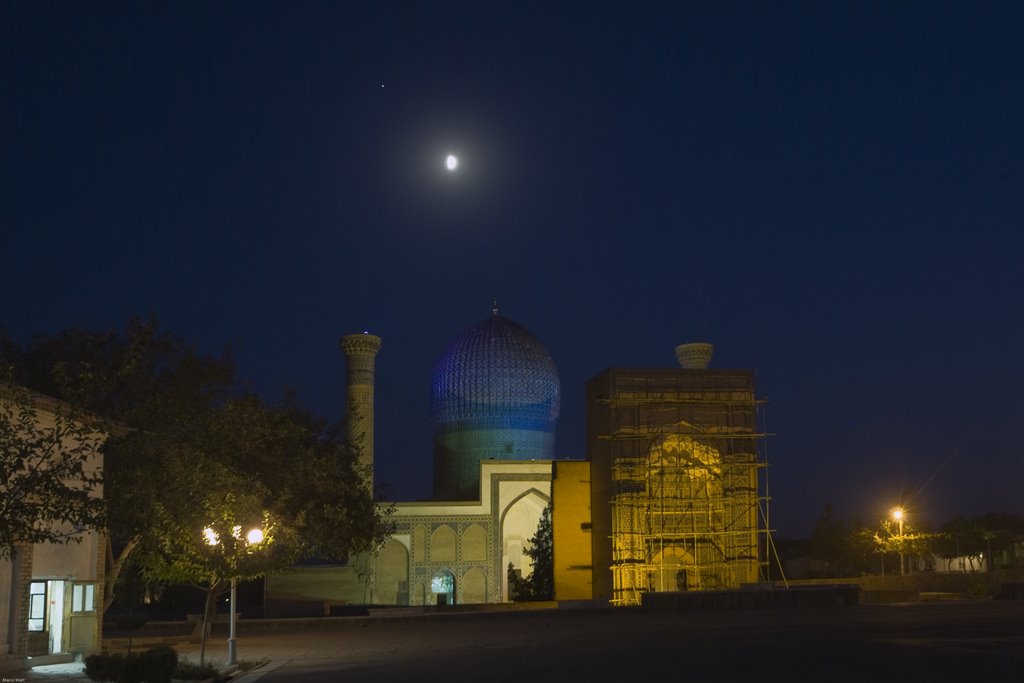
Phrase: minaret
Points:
(360, 351)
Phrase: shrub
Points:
(190, 671)
(977, 589)
(104, 667)
(155, 665)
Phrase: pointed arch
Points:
(518, 523)
(474, 586)
(392, 574)
(442, 544)
(474, 544)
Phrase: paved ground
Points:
(957, 641)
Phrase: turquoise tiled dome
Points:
(495, 395)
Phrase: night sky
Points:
(831, 193)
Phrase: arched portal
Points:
(672, 569)
(518, 525)
(442, 587)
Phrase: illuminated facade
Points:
(669, 498)
(457, 552)
(675, 478)
(495, 403)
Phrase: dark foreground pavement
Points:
(955, 641)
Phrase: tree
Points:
(49, 478)
(908, 541)
(830, 542)
(197, 437)
(146, 379)
(540, 585)
(211, 546)
(979, 537)
(861, 547)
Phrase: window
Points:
(83, 597)
(37, 606)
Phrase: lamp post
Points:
(897, 514)
(232, 654)
(254, 537)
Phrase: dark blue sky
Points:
(831, 193)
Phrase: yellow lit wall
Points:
(570, 521)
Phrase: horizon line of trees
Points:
(851, 548)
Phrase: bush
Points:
(155, 665)
(977, 589)
(190, 671)
(104, 667)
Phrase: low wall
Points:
(967, 583)
(836, 595)
(173, 632)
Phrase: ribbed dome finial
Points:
(494, 307)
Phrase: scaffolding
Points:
(685, 456)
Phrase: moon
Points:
(452, 162)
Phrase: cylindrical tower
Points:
(360, 352)
(695, 355)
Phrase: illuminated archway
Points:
(672, 569)
(519, 523)
(442, 588)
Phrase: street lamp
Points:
(897, 514)
(253, 537)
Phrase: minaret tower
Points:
(360, 352)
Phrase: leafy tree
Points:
(846, 548)
(1003, 532)
(990, 535)
(48, 482)
(909, 543)
(148, 380)
(211, 546)
(830, 541)
(861, 547)
(196, 438)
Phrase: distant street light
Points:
(898, 514)
(253, 537)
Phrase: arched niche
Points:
(474, 586)
(442, 544)
(392, 574)
(519, 522)
(474, 544)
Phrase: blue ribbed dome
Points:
(496, 395)
(495, 367)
